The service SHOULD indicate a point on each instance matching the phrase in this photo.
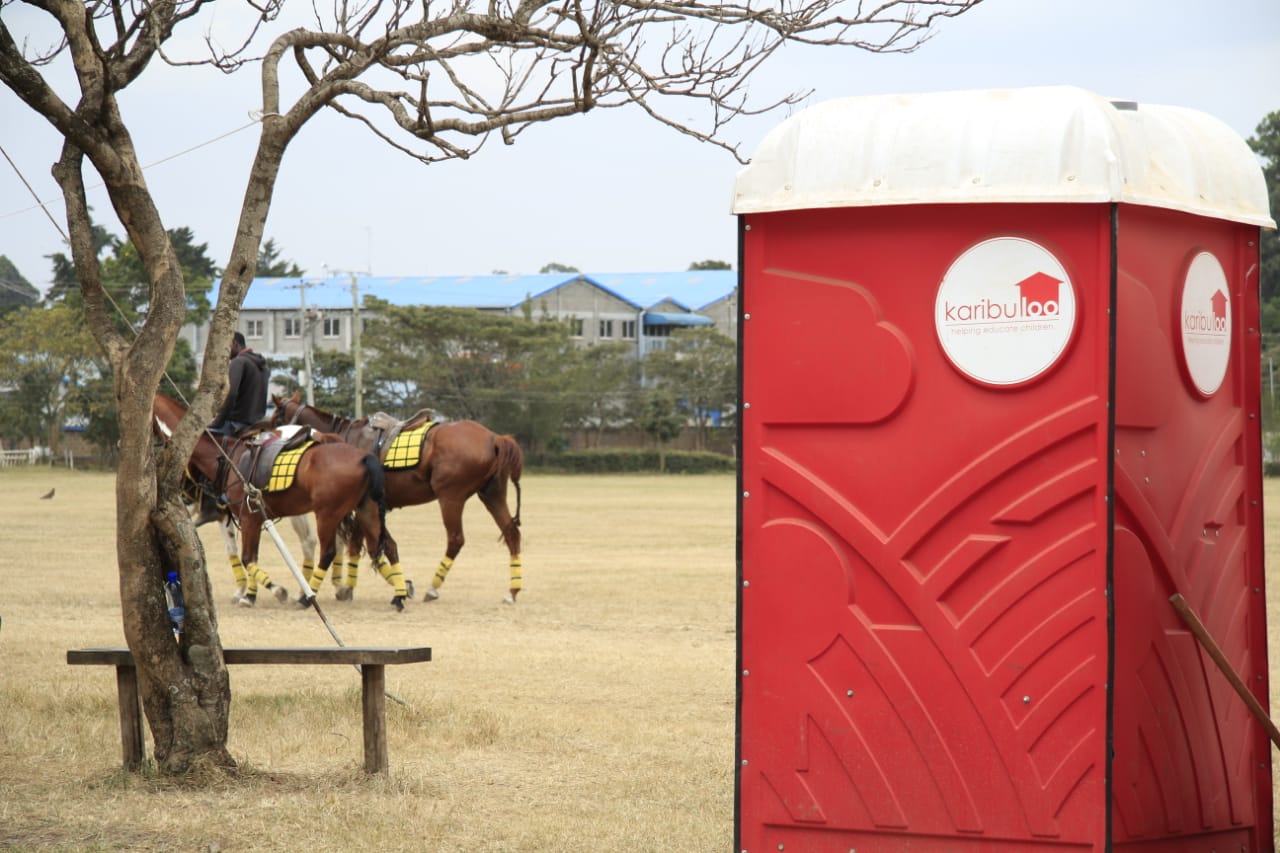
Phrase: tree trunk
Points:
(186, 692)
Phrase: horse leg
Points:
(326, 532)
(494, 498)
(250, 534)
(389, 567)
(304, 530)
(371, 532)
(233, 555)
(346, 584)
(391, 555)
(451, 514)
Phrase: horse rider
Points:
(246, 404)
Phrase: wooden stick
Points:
(1197, 627)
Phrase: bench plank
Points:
(382, 655)
(372, 661)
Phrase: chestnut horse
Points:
(333, 480)
(457, 459)
(303, 528)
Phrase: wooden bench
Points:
(372, 661)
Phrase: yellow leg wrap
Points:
(517, 573)
(237, 571)
(391, 574)
(353, 571)
(251, 572)
(259, 577)
(308, 566)
(317, 578)
(445, 565)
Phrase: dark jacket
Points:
(247, 398)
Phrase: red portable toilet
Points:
(1000, 389)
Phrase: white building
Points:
(640, 309)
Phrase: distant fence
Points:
(33, 456)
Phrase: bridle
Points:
(333, 418)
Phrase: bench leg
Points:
(130, 717)
(373, 680)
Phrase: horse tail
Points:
(508, 463)
(376, 490)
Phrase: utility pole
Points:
(307, 320)
(355, 345)
(355, 334)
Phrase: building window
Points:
(606, 328)
(253, 328)
(575, 327)
(628, 328)
(657, 331)
(332, 327)
(293, 327)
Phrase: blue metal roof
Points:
(692, 290)
(689, 290)
(667, 318)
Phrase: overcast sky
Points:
(612, 191)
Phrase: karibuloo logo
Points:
(1005, 311)
(1205, 320)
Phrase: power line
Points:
(41, 204)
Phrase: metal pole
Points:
(310, 596)
(307, 594)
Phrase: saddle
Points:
(256, 455)
(380, 431)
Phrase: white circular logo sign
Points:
(1205, 320)
(1005, 311)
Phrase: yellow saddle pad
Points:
(406, 448)
(285, 468)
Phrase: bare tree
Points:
(433, 80)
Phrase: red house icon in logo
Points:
(1219, 301)
(1040, 288)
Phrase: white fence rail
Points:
(33, 456)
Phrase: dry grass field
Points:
(598, 714)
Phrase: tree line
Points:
(522, 375)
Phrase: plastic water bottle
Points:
(177, 606)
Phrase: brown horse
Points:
(456, 459)
(334, 480)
